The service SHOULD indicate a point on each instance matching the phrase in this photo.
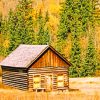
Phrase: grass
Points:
(81, 89)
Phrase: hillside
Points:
(53, 6)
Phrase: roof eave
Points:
(14, 67)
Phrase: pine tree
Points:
(21, 25)
(25, 19)
(75, 53)
(64, 27)
(70, 23)
(70, 14)
(69, 10)
(65, 19)
(43, 31)
(76, 68)
(12, 21)
(90, 59)
(47, 31)
(75, 18)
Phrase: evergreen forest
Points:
(72, 27)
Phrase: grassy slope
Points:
(81, 89)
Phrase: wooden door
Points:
(49, 82)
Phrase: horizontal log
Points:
(14, 73)
(18, 80)
(45, 72)
(48, 70)
(17, 75)
(14, 78)
(15, 84)
(45, 68)
(51, 67)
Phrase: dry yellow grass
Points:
(81, 89)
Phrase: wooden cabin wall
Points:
(15, 78)
(49, 59)
(48, 70)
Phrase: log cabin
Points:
(36, 68)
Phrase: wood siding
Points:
(15, 79)
(48, 70)
(48, 63)
(49, 59)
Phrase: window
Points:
(36, 81)
(60, 81)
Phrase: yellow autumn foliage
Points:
(54, 9)
(6, 44)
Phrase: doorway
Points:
(49, 82)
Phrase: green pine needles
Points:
(75, 57)
(89, 66)
(21, 25)
(43, 35)
(75, 18)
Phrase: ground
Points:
(80, 89)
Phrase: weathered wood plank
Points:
(44, 71)
(15, 79)
(15, 73)
(49, 59)
(16, 85)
